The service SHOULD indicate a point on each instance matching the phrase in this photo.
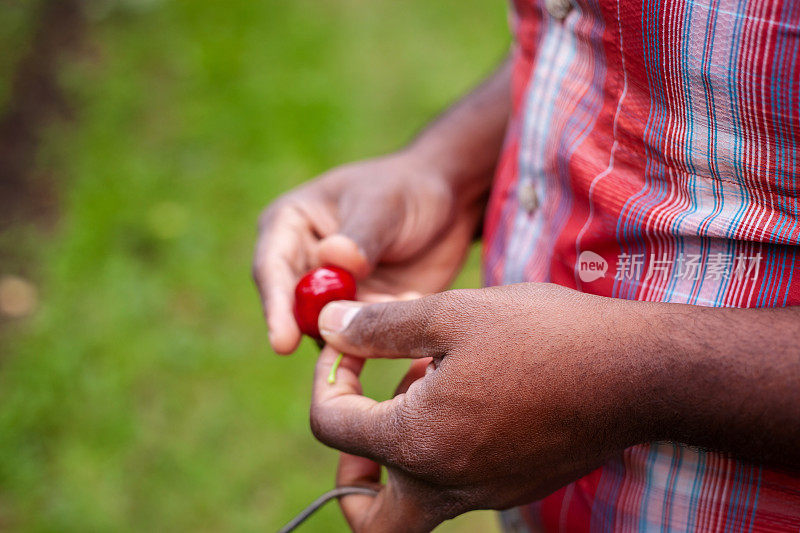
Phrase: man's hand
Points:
(522, 395)
(531, 386)
(402, 224)
(394, 222)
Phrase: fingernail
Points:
(336, 316)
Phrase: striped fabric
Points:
(659, 142)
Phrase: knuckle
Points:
(416, 453)
(281, 208)
(271, 212)
(423, 449)
(256, 270)
(318, 428)
(455, 505)
(438, 314)
(426, 458)
(262, 243)
(445, 313)
(265, 218)
(450, 502)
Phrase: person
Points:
(632, 363)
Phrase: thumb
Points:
(391, 329)
(342, 251)
(369, 225)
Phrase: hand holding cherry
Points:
(317, 289)
(313, 292)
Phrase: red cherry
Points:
(317, 288)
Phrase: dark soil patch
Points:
(35, 101)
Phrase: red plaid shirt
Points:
(653, 155)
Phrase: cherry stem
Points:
(334, 368)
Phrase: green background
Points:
(142, 394)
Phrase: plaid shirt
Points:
(653, 155)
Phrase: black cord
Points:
(322, 500)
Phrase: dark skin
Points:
(401, 223)
(514, 391)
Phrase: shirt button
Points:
(558, 9)
(528, 198)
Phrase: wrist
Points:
(674, 372)
(640, 361)
(468, 176)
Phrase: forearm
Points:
(465, 141)
(724, 379)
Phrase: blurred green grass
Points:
(142, 395)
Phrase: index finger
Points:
(341, 417)
(396, 507)
(279, 256)
(360, 472)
